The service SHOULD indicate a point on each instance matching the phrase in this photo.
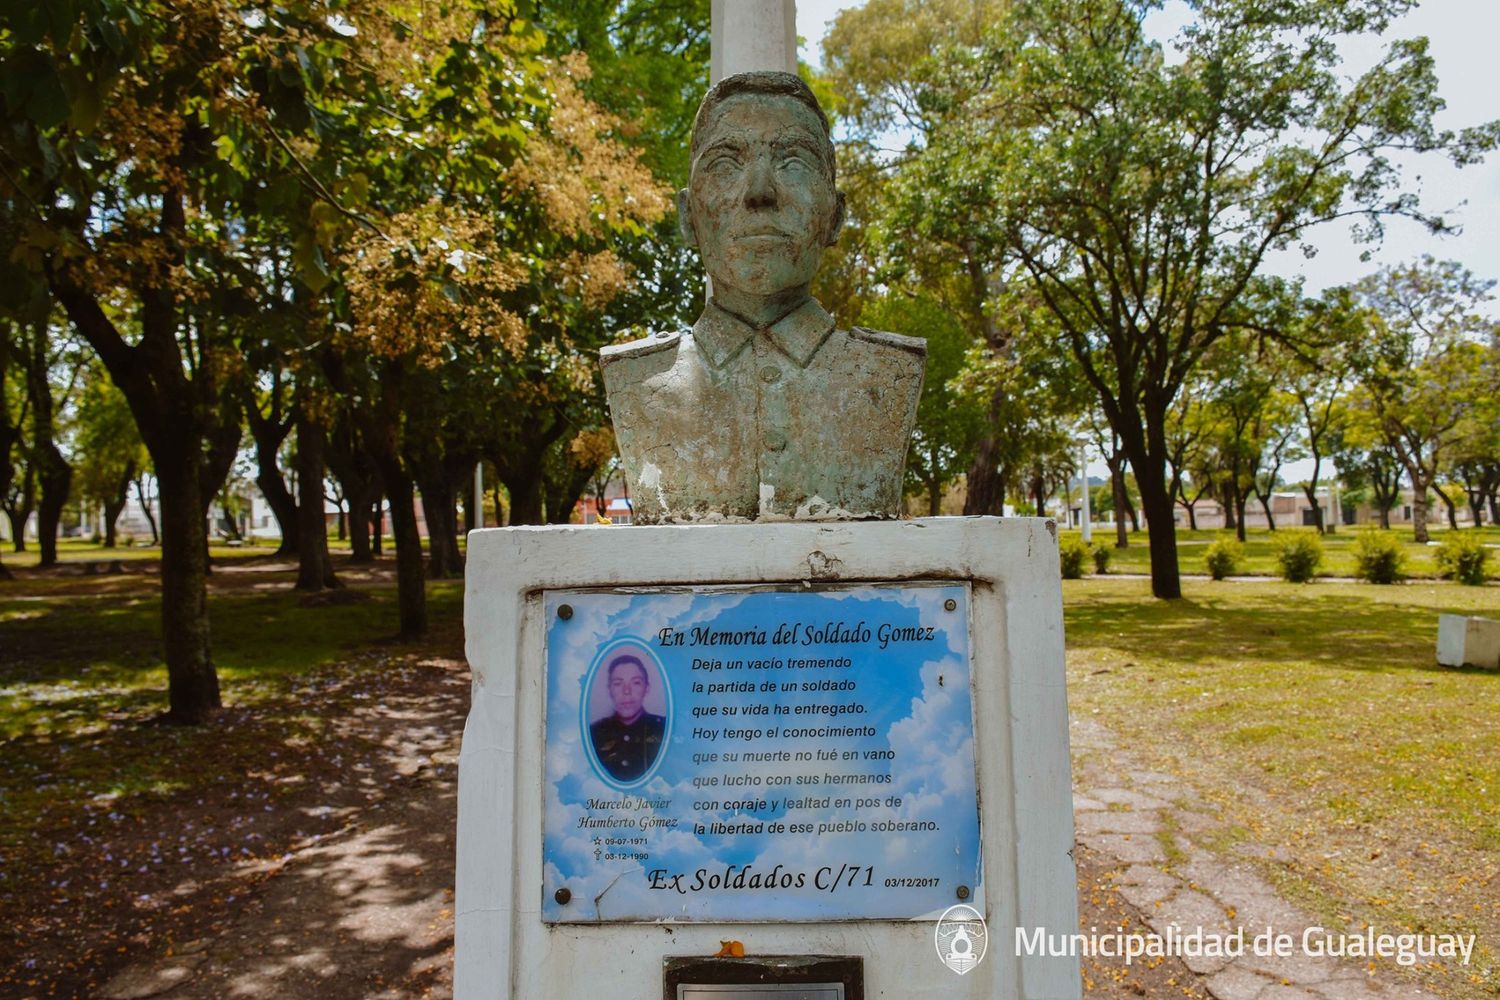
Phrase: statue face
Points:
(760, 205)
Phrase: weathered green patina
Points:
(764, 409)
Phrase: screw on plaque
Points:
(963, 892)
(950, 605)
(565, 611)
(563, 895)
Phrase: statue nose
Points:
(760, 185)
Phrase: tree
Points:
(269, 428)
(1319, 384)
(1188, 436)
(1422, 366)
(1476, 459)
(53, 475)
(10, 429)
(1141, 196)
(922, 235)
(109, 451)
(142, 142)
(948, 422)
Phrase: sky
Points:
(1461, 34)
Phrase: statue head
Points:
(760, 204)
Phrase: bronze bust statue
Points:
(764, 410)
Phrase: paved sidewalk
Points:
(1134, 815)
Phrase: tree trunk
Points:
(525, 499)
(411, 576)
(437, 508)
(1419, 507)
(314, 567)
(1311, 489)
(359, 522)
(116, 504)
(269, 435)
(562, 497)
(140, 492)
(54, 477)
(1135, 521)
(1156, 504)
(1452, 510)
(193, 685)
(1117, 489)
(986, 491)
(53, 474)
(9, 432)
(377, 528)
(1265, 505)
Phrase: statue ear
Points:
(685, 220)
(838, 219)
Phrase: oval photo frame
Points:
(606, 652)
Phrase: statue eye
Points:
(795, 162)
(721, 162)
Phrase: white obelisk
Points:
(752, 34)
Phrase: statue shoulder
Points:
(639, 348)
(915, 346)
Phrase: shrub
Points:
(1073, 555)
(1224, 557)
(1463, 557)
(1299, 554)
(1102, 556)
(1378, 557)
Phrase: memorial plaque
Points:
(758, 754)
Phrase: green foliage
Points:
(1462, 556)
(1379, 557)
(1102, 555)
(1298, 556)
(947, 422)
(1224, 557)
(1073, 557)
(1169, 202)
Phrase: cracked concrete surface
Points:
(1147, 822)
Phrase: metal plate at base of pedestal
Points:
(762, 991)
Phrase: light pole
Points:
(1083, 477)
(478, 496)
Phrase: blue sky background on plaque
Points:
(926, 722)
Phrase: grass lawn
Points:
(78, 550)
(1260, 551)
(1317, 722)
(83, 670)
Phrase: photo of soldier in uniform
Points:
(628, 721)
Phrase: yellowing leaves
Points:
(438, 273)
(587, 181)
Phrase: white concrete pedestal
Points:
(503, 948)
(1468, 641)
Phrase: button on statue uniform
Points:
(799, 420)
